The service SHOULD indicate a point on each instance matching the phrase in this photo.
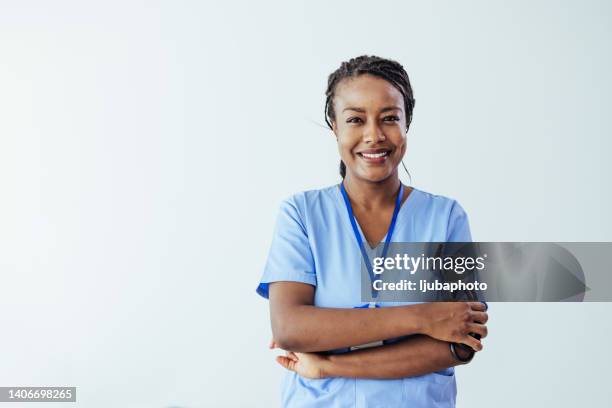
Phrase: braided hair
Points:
(389, 70)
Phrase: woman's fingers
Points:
(480, 317)
(479, 329)
(479, 306)
(475, 344)
(291, 355)
(286, 362)
(478, 326)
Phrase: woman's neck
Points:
(372, 195)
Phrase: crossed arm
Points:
(303, 329)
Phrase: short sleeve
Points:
(290, 256)
(458, 225)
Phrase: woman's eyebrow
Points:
(390, 108)
(354, 109)
(385, 109)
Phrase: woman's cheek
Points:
(346, 146)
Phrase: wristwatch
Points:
(456, 356)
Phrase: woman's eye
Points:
(391, 118)
(353, 120)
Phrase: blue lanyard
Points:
(364, 254)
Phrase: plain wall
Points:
(145, 148)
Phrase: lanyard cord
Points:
(364, 254)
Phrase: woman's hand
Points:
(309, 365)
(454, 321)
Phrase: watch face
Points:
(462, 347)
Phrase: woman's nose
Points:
(373, 133)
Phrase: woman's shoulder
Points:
(435, 202)
(304, 207)
(313, 195)
(445, 213)
(307, 200)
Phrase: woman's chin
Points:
(375, 176)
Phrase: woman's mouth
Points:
(374, 156)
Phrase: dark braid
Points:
(389, 70)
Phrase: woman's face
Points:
(370, 125)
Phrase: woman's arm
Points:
(417, 355)
(414, 356)
(299, 326)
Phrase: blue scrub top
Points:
(314, 243)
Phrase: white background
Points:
(145, 148)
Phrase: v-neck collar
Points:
(339, 200)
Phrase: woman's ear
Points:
(335, 129)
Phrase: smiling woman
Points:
(370, 132)
(340, 352)
(376, 75)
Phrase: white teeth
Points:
(374, 155)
